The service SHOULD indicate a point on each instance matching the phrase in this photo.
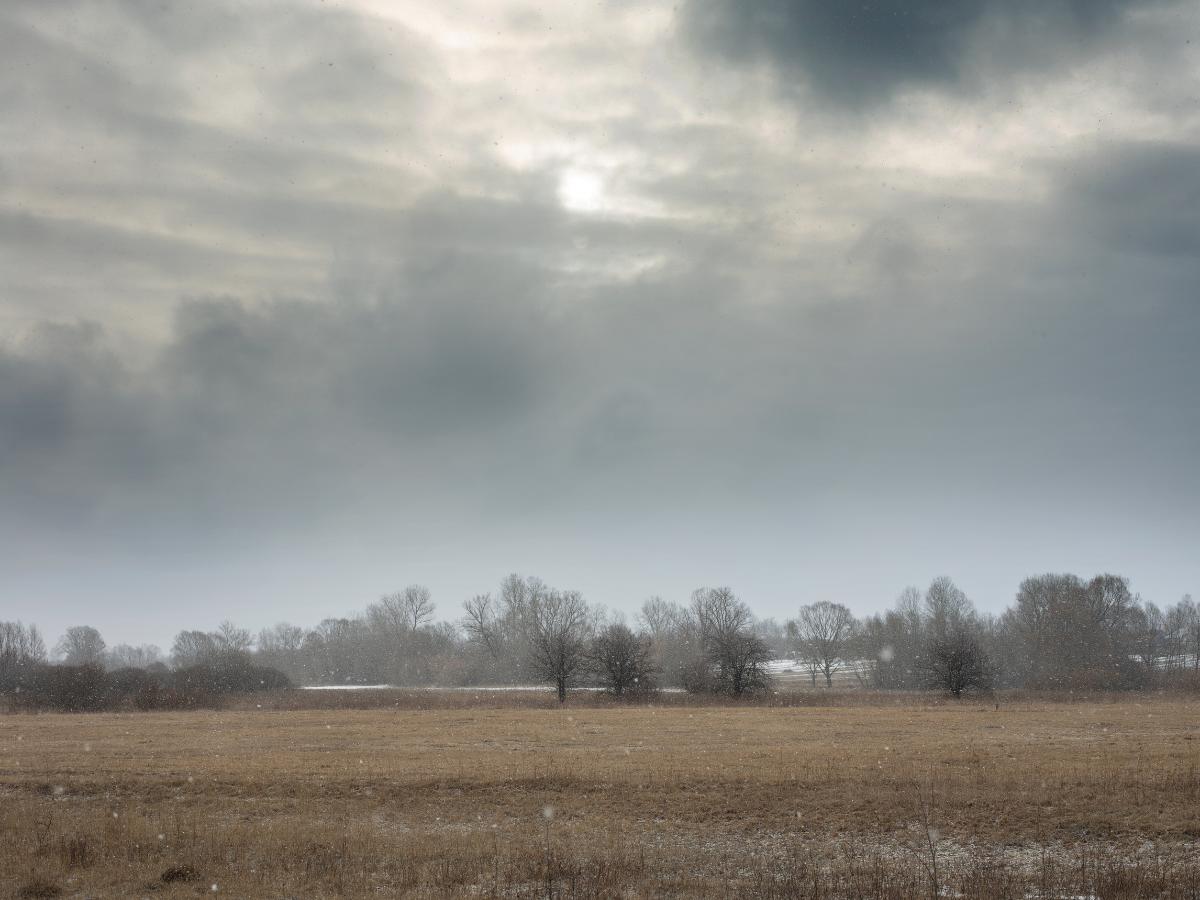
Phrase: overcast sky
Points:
(302, 302)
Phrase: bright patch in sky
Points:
(581, 191)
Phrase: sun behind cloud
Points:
(581, 190)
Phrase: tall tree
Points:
(1184, 628)
(1075, 633)
(735, 655)
(21, 650)
(674, 641)
(558, 634)
(823, 632)
(281, 647)
(82, 645)
(233, 642)
(1150, 641)
(193, 648)
(953, 658)
(894, 642)
(405, 611)
(479, 623)
(127, 656)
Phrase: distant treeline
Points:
(1061, 633)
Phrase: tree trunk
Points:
(562, 690)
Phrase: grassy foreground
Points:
(1030, 799)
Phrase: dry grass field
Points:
(1031, 799)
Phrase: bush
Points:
(90, 689)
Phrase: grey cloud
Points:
(378, 329)
(1140, 198)
(153, 145)
(861, 54)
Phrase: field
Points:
(507, 797)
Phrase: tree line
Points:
(1062, 632)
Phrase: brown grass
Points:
(1031, 799)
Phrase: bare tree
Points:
(404, 612)
(479, 622)
(893, 642)
(823, 631)
(623, 660)
(1183, 626)
(945, 604)
(736, 656)
(500, 626)
(1075, 633)
(1150, 641)
(955, 660)
(233, 642)
(743, 664)
(127, 656)
(193, 648)
(281, 647)
(282, 640)
(82, 645)
(397, 642)
(558, 633)
(21, 649)
(719, 612)
(674, 641)
(658, 616)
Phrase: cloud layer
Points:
(859, 54)
(299, 301)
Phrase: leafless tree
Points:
(397, 642)
(823, 632)
(281, 640)
(127, 656)
(736, 656)
(894, 643)
(558, 635)
(623, 660)
(479, 622)
(743, 664)
(499, 625)
(335, 651)
(1183, 628)
(21, 649)
(658, 617)
(674, 642)
(944, 605)
(193, 648)
(719, 612)
(82, 645)
(231, 640)
(955, 660)
(281, 647)
(1075, 633)
(405, 611)
(1150, 641)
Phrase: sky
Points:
(302, 302)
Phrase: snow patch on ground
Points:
(478, 689)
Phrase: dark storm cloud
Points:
(861, 53)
